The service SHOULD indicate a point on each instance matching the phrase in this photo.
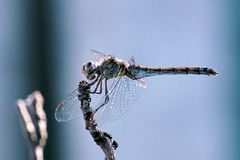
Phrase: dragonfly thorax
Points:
(111, 67)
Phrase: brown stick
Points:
(102, 139)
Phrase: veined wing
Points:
(69, 108)
(98, 55)
(122, 95)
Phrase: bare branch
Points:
(35, 123)
(102, 139)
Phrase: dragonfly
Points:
(120, 84)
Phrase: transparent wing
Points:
(98, 55)
(111, 85)
(69, 108)
(122, 96)
(131, 60)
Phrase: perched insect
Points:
(126, 83)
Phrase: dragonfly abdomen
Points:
(142, 71)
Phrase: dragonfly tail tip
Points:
(213, 72)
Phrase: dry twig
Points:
(102, 139)
(35, 123)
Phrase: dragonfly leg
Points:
(106, 97)
(95, 90)
(106, 93)
(93, 82)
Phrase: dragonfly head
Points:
(89, 70)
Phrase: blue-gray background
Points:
(44, 43)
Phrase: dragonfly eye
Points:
(89, 64)
(88, 70)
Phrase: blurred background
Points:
(43, 44)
